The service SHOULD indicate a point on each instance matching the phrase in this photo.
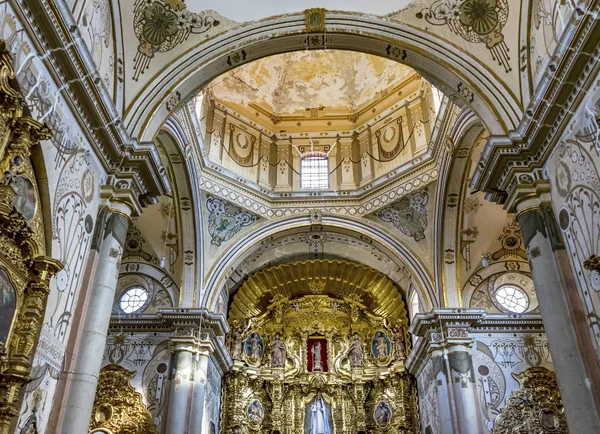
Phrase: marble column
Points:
(563, 316)
(446, 348)
(183, 348)
(82, 378)
(204, 350)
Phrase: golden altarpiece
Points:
(25, 271)
(315, 343)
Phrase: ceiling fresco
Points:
(332, 81)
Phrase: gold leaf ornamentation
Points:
(118, 407)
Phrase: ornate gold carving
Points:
(346, 313)
(592, 263)
(118, 407)
(346, 280)
(535, 407)
(22, 242)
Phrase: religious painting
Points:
(316, 355)
(256, 412)
(317, 417)
(8, 305)
(254, 347)
(549, 420)
(382, 414)
(381, 346)
(24, 201)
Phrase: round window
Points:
(512, 298)
(133, 299)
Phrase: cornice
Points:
(167, 320)
(476, 321)
(525, 150)
(54, 31)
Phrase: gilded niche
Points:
(318, 346)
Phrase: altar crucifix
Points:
(316, 355)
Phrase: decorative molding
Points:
(525, 150)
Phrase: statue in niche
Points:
(399, 343)
(278, 352)
(381, 346)
(235, 344)
(356, 353)
(24, 201)
(316, 354)
(383, 414)
(254, 346)
(318, 417)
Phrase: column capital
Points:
(528, 196)
(119, 198)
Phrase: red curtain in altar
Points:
(309, 353)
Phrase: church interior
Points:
(308, 217)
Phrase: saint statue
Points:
(382, 346)
(318, 420)
(255, 346)
(400, 347)
(316, 354)
(356, 352)
(278, 352)
(235, 344)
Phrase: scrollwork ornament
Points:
(118, 407)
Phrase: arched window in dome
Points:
(314, 170)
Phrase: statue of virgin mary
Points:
(318, 417)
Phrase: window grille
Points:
(314, 171)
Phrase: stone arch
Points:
(457, 73)
(419, 275)
(173, 140)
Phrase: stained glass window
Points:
(314, 171)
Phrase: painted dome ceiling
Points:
(334, 82)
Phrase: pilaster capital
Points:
(527, 196)
(119, 197)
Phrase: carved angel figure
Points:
(235, 344)
(355, 351)
(399, 343)
(278, 352)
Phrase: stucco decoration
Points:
(162, 25)
(409, 215)
(477, 21)
(96, 26)
(225, 219)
